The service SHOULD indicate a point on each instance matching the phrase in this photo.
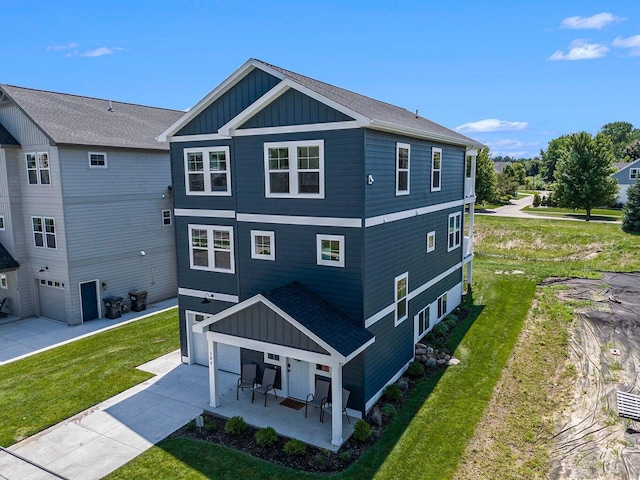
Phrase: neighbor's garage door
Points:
(52, 302)
(229, 358)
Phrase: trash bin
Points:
(114, 307)
(138, 300)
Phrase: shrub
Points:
(295, 447)
(415, 370)
(361, 431)
(536, 200)
(345, 456)
(389, 410)
(235, 426)
(392, 393)
(441, 329)
(210, 426)
(266, 437)
(191, 426)
(450, 321)
(319, 459)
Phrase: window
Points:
(324, 370)
(1, 222)
(263, 245)
(402, 287)
(294, 169)
(3, 281)
(97, 160)
(454, 231)
(330, 250)
(436, 168)
(44, 232)
(38, 168)
(166, 217)
(633, 173)
(52, 284)
(422, 322)
(402, 168)
(431, 241)
(272, 358)
(207, 171)
(442, 305)
(211, 248)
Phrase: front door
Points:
(89, 300)
(298, 379)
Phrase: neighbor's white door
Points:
(298, 379)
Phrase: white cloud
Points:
(581, 50)
(632, 43)
(99, 52)
(491, 125)
(513, 148)
(59, 47)
(595, 22)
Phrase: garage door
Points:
(229, 358)
(52, 301)
(200, 349)
(228, 355)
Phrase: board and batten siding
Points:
(21, 127)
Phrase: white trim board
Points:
(222, 297)
(413, 212)
(299, 220)
(194, 212)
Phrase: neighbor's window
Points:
(633, 173)
(294, 169)
(330, 250)
(402, 168)
(44, 232)
(431, 241)
(263, 245)
(97, 160)
(442, 305)
(401, 290)
(38, 168)
(211, 248)
(436, 168)
(3, 281)
(166, 217)
(1, 222)
(422, 321)
(454, 231)
(207, 171)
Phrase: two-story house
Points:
(85, 203)
(319, 232)
(626, 176)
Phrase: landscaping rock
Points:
(441, 361)
(453, 361)
(421, 351)
(403, 385)
(431, 362)
(429, 350)
(447, 357)
(422, 345)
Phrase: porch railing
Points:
(467, 247)
(469, 187)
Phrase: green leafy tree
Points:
(632, 151)
(622, 134)
(507, 186)
(516, 170)
(631, 210)
(583, 173)
(485, 177)
(551, 155)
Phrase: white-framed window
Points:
(294, 169)
(2, 227)
(436, 168)
(403, 153)
(166, 217)
(422, 323)
(272, 358)
(330, 250)
(442, 305)
(634, 173)
(44, 232)
(38, 168)
(211, 248)
(52, 283)
(324, 370)
(3, 281)
(207, 171)
(400, 294)
(97, 160)
(431, 241)
(455, 236)
(263, 245)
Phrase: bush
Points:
(389, 410)
(441, 329)
(345, 456)
(235, 426)
(295, 447)
(319, 459)
(415, 370)
(392, 393)
(536, 200)
(361, 431)
(266, 437)
(210, 426)
(450, 321)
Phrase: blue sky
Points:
(513, 75)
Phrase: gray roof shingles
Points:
(320, 317)
(75, 120)
(7, 262)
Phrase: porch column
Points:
(214, 387)
(472, 208)
(336, 405)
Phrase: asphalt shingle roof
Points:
(75, 120)
(320, 317)
(7, 262)
(6, 138)
(374, 109)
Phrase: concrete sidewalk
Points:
(99, 440)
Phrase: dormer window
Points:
(294, 169)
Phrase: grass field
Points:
(606, 214)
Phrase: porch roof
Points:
(7, 262)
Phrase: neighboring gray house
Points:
(627, 175)
(319, 232)
(85, 203)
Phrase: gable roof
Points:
(375, 113)
(625, 165)
(75, 120)
(6, 138)
(7, 262)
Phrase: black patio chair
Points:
(319, 397)
(268, 381)
(248, 377)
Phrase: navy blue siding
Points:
(294, 108)
(231, 103)
(353, 380)
(380, 158)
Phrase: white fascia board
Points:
(197, 138)
(306, 127)
(472, 151)
(414, 212)
(300, 220)
(201, 213)
(414, 132)
(221, 297)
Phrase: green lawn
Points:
(611, 214)
(44, 389)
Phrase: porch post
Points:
(336, 405)
(472, 208)
(214, 390)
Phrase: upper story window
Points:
(330, 250)
(431, 241)
(2, 222)
(44, 232)
(166, 217)
(97, 160)
(211, 248)
(401, 290)
(294, 169)
(38, 168)
(436, 168)
(263, 246)
(3, 281)
(454, 231)
(207, 171)
(634, 173)
(403, 151)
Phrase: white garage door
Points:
(229, 358)
(199, 347)
(228, 355)
(52, 301)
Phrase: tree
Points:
(507, 186)
(551, 155)
(631, 210)
(632, 151)
(583, 173)
(622, 134)
(485, 177)
(515, 170)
